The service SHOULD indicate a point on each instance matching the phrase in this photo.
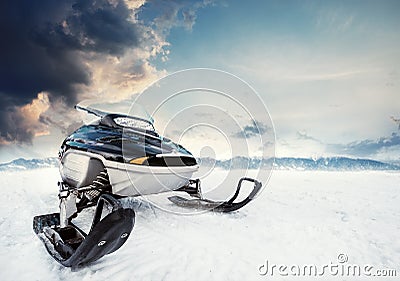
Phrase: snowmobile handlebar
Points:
(230, 205)
(256, 189)
(218, 206)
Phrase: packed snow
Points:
(302, 217)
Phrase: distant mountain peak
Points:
(21, 164)
(241, 162)
(337, 163)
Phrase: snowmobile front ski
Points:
(217, 206)
(72, 247)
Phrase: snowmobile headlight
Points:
(138, 161)
(133, 123)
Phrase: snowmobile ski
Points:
(72, 247)
(216, 206)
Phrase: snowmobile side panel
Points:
(125, 179)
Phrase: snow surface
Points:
(301, 218)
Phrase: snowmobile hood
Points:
(123, 145)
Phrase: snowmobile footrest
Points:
(71, 247)
(219, 206)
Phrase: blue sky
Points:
(328, 71)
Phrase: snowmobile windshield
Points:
(123, 114)
(133, 122)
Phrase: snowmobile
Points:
(117, 156)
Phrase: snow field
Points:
(300, 218)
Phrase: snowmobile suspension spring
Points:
(100, 184)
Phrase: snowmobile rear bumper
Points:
(72, 247)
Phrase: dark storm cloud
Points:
(255, 129)
(42, 48)
(92, 26)
(52, 46)
(40, 40)
(13, 127)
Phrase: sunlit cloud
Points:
(23, 123)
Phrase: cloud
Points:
(189, 18)
(335, 19)
(397, 121)
(43, 45)
(61, 117)
(304, 136)
(331, 76)
(46, 46)
(21, 124)
(368, 148)
(178, 13)
(255, 129)
(73, 50)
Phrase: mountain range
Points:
(284, 163)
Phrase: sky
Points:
(328, 71)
